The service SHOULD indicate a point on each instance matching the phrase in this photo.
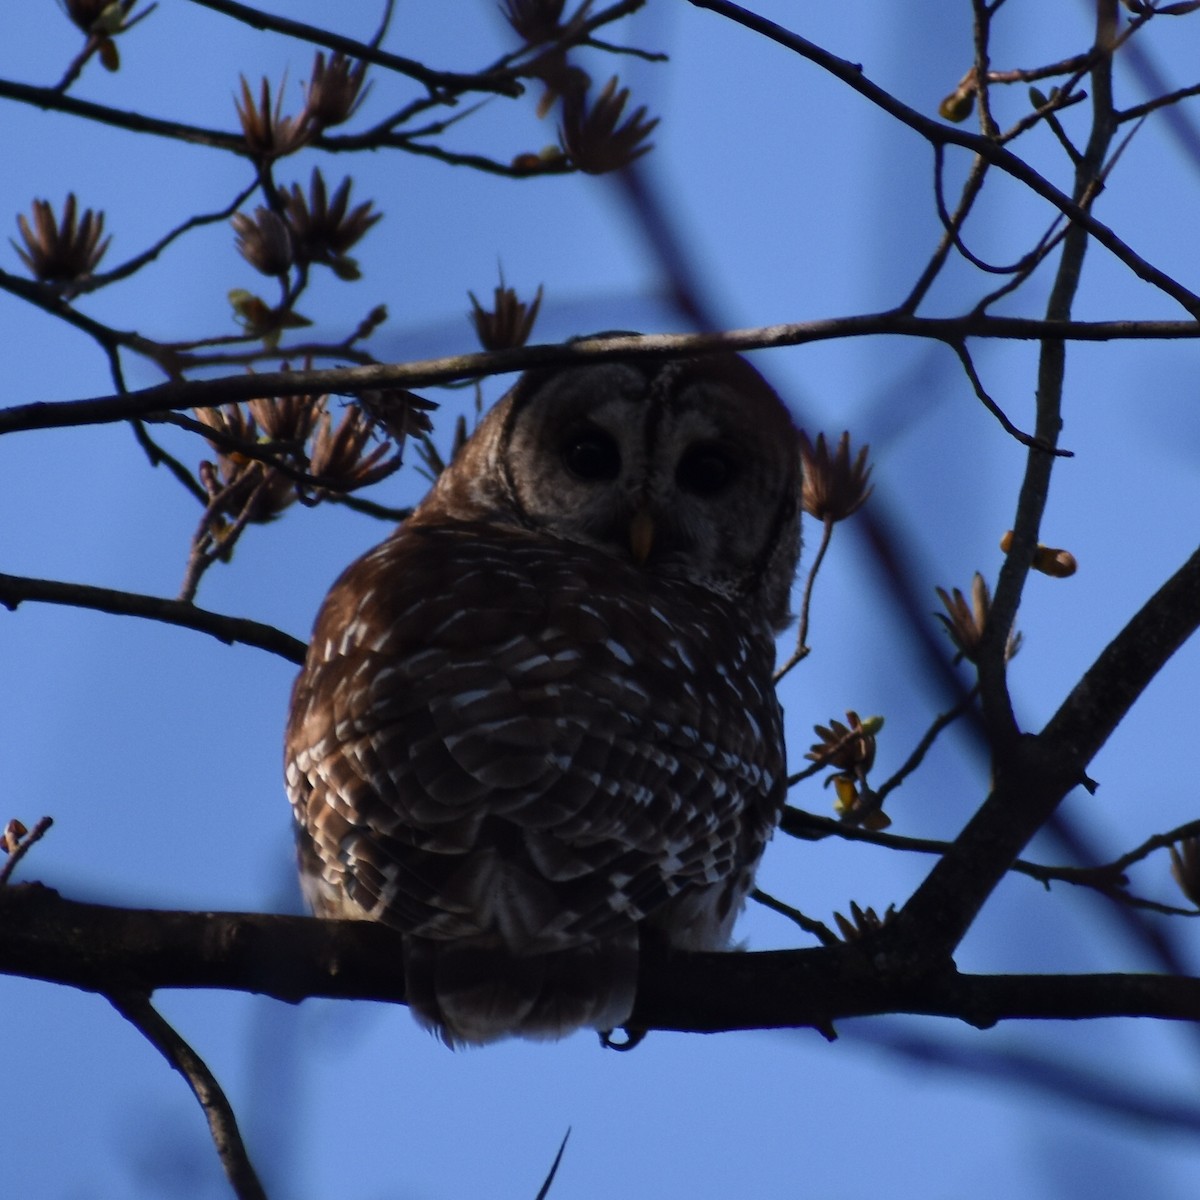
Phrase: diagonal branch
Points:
(17, 589)
(1099, 701)
(136, 1008)
(450, 80)
(1036, 772)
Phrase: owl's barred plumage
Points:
(537, 723)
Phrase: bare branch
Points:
(52, 100)
(1035, 486)
(16, 589)
(1099, 701)
(1035, 772)
(544, 1190)
(818, 929)
(935, 132)
(136, 1008)
(914, 760)
(226, 390)
(1107, 878)
(447, 80)
(91, 946)
(23, 847)
(1026, 439)
(802, 648)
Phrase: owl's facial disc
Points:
(679, 468)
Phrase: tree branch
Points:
(16, 589)
(450, 80)
(939, 133)
(136, 1008)
(1099, 701)
(92, 947)
(453, 368)
(1036, 772)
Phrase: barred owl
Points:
(536, 725)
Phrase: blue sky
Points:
(157, 750)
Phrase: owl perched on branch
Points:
(537, 724)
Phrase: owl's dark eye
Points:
(705, 470)
(592, 456)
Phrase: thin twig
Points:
(209, 544)
(544, 1190)
(1026, 439)
(1107, 878)
(914, 760)
(971, 188)
(22, 848)
(818, 929)
(314, 35)
(160, 457)
(936, 132)
(1140, 110)
(802, 648)
(136, 1008)
(1050, 241)
(94, 282)
(953, 229)
(1077, 62)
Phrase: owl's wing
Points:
(493, 733)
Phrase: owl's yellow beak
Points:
(641, 535)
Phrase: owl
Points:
(536, 727)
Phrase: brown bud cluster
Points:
(63, 251)
(850, 748)
(509, 322)
(333, 95)
(594, 137)
(237, 484)
(965, 623)
(267, 132)
(264, 241)
(862, 921)
(401, 414)
(277, 449)
(324, 229)
(834, 487)
(335, 91)
(340, 457)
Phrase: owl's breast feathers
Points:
(519, 751)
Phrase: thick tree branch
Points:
(1099, 701)
(98, 948)
(1036, 772)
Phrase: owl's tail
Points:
(472, 991)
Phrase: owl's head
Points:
(689, 469)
